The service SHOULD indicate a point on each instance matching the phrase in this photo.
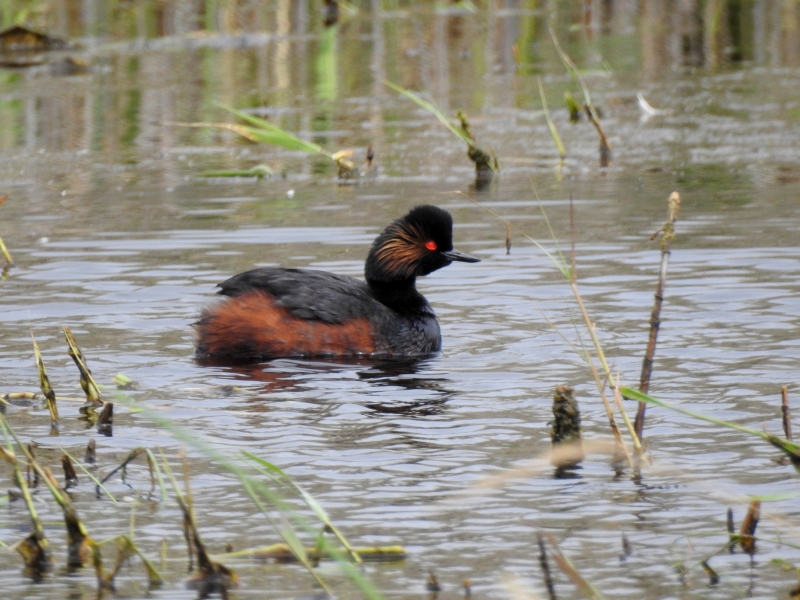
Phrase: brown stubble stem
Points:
(787, 419)
(674, 206)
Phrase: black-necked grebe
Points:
(274, 312)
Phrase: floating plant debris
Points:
(24, 47)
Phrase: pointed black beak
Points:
(460, 256)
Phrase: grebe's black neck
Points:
(400, 295)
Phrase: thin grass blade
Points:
(789, 447)
(6, 254)
(432, 108)
(562, 152)
(315, 506)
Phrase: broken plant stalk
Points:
(213, 576)
(668, 230)
(34, 549)
(88, 383)
(47, 390)
(747, 539)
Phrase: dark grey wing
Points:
(314, 295)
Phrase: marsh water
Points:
(116, 234)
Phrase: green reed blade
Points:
(562, 152)
(265, 132)
(432, 108)
(312, 503)
(788, 446)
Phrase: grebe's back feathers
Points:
(306, 294)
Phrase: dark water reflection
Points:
(115, 236)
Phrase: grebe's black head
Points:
(414, 245)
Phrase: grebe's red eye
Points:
(431, 245)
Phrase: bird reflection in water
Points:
(288, 375)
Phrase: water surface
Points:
(116, 236)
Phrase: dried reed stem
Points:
(787, 417)
(548, 578)
(606, 369)
(674, 207)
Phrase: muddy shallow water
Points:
(115, 235)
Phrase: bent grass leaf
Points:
(432, 108)
(90, 387)
(311, 502)
(562, 152)
(788, 446)
(255, 490)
